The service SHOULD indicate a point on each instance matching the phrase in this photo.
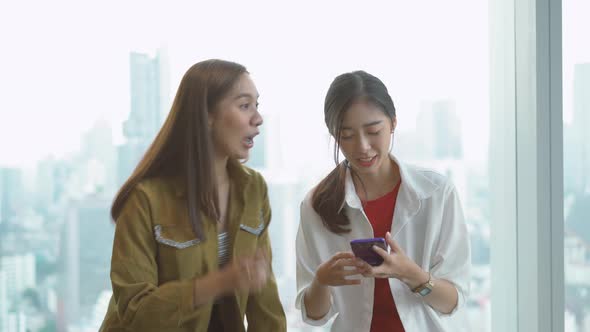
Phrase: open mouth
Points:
(249, 141)
(367, 162)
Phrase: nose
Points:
(257, 119)
(363, 143)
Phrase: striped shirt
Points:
(224, 252)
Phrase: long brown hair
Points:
(183, 145)
(328, 196)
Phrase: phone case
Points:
(363, 249)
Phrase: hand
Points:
(396, 264)
(334, 271)
(244, 273)
(247, 273)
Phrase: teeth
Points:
(249, 140)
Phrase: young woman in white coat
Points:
(423, 281)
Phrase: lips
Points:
(249, 141)
(367, 162)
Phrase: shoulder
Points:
(426, 182)
(159, 187)
(427, 174)
(252, 175)
(250, 179)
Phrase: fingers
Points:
(348, 272)
(342, 255)
(346, 262)
(380, 252)
(252, 272)
(392, 244)
(363, 266)
(261, 255)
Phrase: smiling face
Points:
(365, 138)
(235, 120)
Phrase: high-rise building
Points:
(97, 150)
(439, 127)
(11, 193)
(87, 240)
(149, 104)
(284, 190)
(3, 302)
(18, 274)
(581, 123)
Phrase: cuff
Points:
(300, 304)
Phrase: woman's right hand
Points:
(334, 271)
(249, 273)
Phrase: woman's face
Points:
(365, 138)
(235, 120)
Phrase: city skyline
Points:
(97, 102)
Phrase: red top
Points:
(380, 214)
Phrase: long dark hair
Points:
(346, 89)
(183, 145)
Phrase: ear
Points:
(393, 124)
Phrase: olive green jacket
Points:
(156, 257)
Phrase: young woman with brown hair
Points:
(192, 249)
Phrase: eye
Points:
(245, 106)
(345, 137)
(375, 133)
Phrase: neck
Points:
(220, 168)
(371, 186)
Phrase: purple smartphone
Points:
(363, 249)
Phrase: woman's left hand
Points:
(396, 264)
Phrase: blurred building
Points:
(19, 274)
(86, 246)
(149, 104)
(439, 128)
(11, 193)
(577, 138)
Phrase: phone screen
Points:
(363, 249)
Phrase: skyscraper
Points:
(3, 302)
(581, 125)
(19, 274)
(440, 129)
(149, 103)
(85, 256)
(11, 193)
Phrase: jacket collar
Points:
(415, 186)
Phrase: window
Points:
(576, 155)
(94, 95)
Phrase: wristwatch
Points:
(425, 288)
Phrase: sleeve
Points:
(140, 301)
(307, 262)
(452, 261)
(264, 310)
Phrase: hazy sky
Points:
(65, 64)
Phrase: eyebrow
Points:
(246, 95)
(365, 125)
